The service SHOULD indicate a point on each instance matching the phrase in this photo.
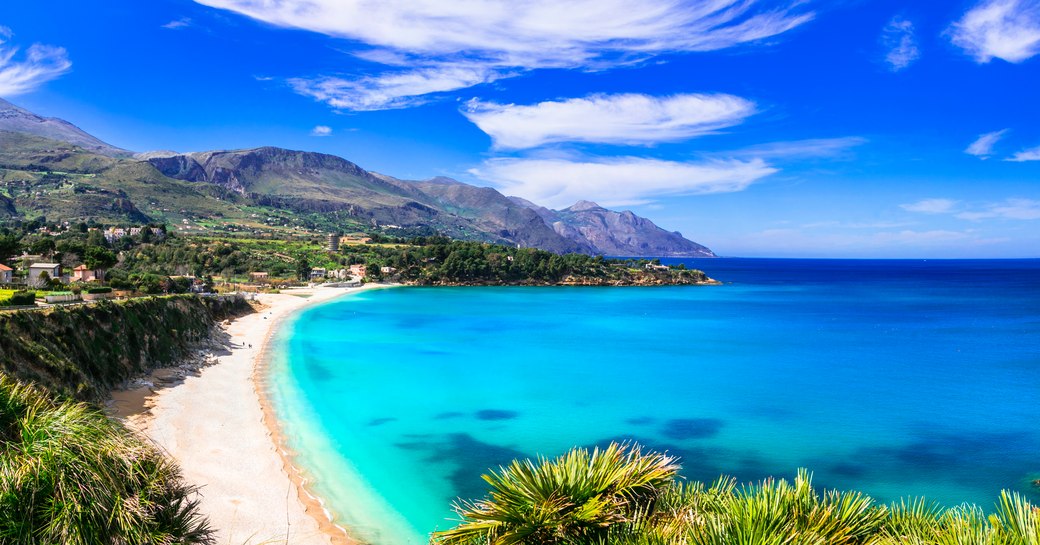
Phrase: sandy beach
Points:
(216, 425)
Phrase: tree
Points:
(303, 268)
(373, 272)
(42, 245)
(9, 246)
(97, 258)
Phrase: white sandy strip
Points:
(213, 425)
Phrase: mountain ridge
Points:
(16, 119)
(285, 188)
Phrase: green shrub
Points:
(622, 496)
(18, 298)
(102, 289)
(69, 475)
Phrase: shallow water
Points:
(894, 377)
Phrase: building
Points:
(37, 270)
(334, 243)
(357, 270)
(83, 274)
(656, 267)
(387, 270)
(338, 274)
(259, 276)
(317, 273)
(113, 234)
(6, 274)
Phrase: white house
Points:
(6, 274)
(36, 270)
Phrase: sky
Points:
(797, 128)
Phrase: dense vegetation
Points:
(69, 475)
(85, 351)
(620, 495)
(422, 260)
(152, 265)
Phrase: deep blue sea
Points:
(898, 378)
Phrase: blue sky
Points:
(850, 128)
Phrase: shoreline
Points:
(338, 535)
(217, 423)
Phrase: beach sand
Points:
(216, 425)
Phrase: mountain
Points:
(309, 182)
(616, 233)
(493, 212)
(15, 119)
(49, 167)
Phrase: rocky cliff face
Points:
(85, 351)
(494, 212)
(615, 233)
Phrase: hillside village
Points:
(47, 263)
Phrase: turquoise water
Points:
(899, 378)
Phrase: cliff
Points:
(84, 351)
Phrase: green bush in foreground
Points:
(620, 495)
(69, 475)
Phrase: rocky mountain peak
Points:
(583, 205)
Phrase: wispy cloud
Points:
(1030, 154)
(898, 38)
(321, 130)
(419, 41)
(802, 243)
(40, 64)
(633, 119)
(931, 206)
(177, 24)
(392, 89)
(982, 147)
(617, 181)
(814, 148)
(857, 225)
(1013, 209)
(1003, 29)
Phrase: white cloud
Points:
(617, 181)
(40, 64)
(1030, 154)
(611, 119)
(1013, 209)
(802, 149)
(1003, 29)
(321, 130)
(898, 38)
(931, 206)
(176, 24)
(393, 89)
(422, 39)
(982, 147)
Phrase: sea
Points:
(905, 378)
